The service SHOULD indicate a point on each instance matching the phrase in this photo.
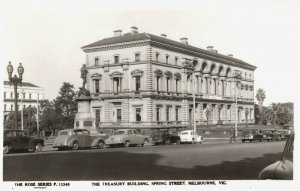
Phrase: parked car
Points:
(282, 169)
(18, 140)
(78, 138)
(190, 136)
(271, 136)
(165, 136)
(251, 136)
(127, 137)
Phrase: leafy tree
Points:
(65, 105)
(50, 120)
(260, 96)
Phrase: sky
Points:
(47, 37)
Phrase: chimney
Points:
(163, 35)
(230, 55)
(117, 33)
(134, 30)
(184, 40)
(210, 48)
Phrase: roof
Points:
(26, 84)
(128, 37)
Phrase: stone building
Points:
(28, 95)
(140, 80)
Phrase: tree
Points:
(260, 96)
(50, 120)
(65, 105)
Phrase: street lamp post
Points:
(237, 77)
(16, 81)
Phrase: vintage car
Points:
(190, 136)
(282, 169)
(78, 138)
(18, 140)
(251, 136)
(271, 136)
(165, 136)
(127, 137)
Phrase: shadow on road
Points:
(123, 165)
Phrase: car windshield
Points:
(64, 133)
(119, 132)
(184, 133)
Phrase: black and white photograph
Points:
(149, 95)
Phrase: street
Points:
(173, 162)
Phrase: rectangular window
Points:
(119, 115)
(176, 61)
(116, 84)
(11, 95)
(4, 107)
(157, 114)
(137, 83)
(177, 114)
(23, 95)
(116, 59)
(157, 83)
(137, 57)
(138, 116)
(168, 113)
(97, 86)
(11, 107)
(97, 117)
(30, 96)
(17, 95)
(156, 57)
(4, 95)
(167, 59)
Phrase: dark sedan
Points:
(18, 140)
(165, 136)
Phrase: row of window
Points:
(202, 86)
(157, 58)
(117, 59)
(18, 96)
(12, 107)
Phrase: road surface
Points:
(173, 162)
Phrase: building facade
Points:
(28, 95)
(140, 80)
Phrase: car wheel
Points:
(178, 142)
(167, 141)
(38, 147)
(75, 145)
(6, 149)
(146, 142)
(126, 144)
(100, 145)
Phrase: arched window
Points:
(96, 61)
